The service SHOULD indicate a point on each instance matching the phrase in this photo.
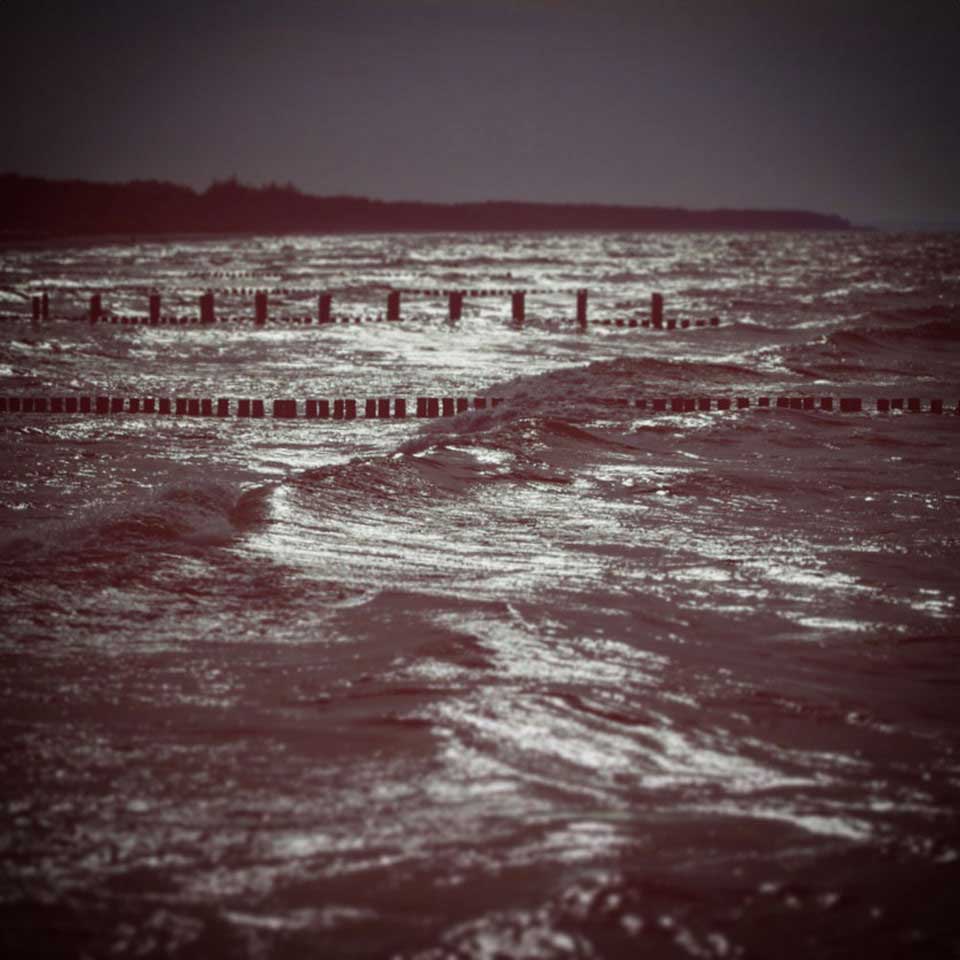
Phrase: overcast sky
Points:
(842, 107)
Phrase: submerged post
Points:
(154, 309)
(95, 307)
(456, 305)
(260, 307)
(324, 308)
(393, 305)
(45, 307)
(518, 299)
(656, 309)
(582, 308)
(36, 308)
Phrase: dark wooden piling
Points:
(519, 306)
(207, 308)
(393, 305)
(455, 305)
(324, 308)
(582, 309)
(656, 310)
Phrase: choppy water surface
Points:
(549, 681)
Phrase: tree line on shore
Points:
(36, 206)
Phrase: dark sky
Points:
(846, 107)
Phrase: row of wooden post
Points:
(397, 407)
(41, 307)
(337, 409)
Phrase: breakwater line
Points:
(371, 408)
(98, 312)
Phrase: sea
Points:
(564, 677)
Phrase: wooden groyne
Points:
(383, 408)
(207, 314)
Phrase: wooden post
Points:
(36, 308)
(519, 306)
(154, 309)
(393, 305)
(95, 308)
(206, 308)
(45, 307)
(260, 307)
(656, 309)
(456, 305)
(323, 308)
(582, 309)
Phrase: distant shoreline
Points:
(33, 209)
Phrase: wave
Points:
(909, 350)
(933, 331)
(936, 330)
(481, 260)
(436, 463)
(932, 311)
(545, 436)
(180, 516)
